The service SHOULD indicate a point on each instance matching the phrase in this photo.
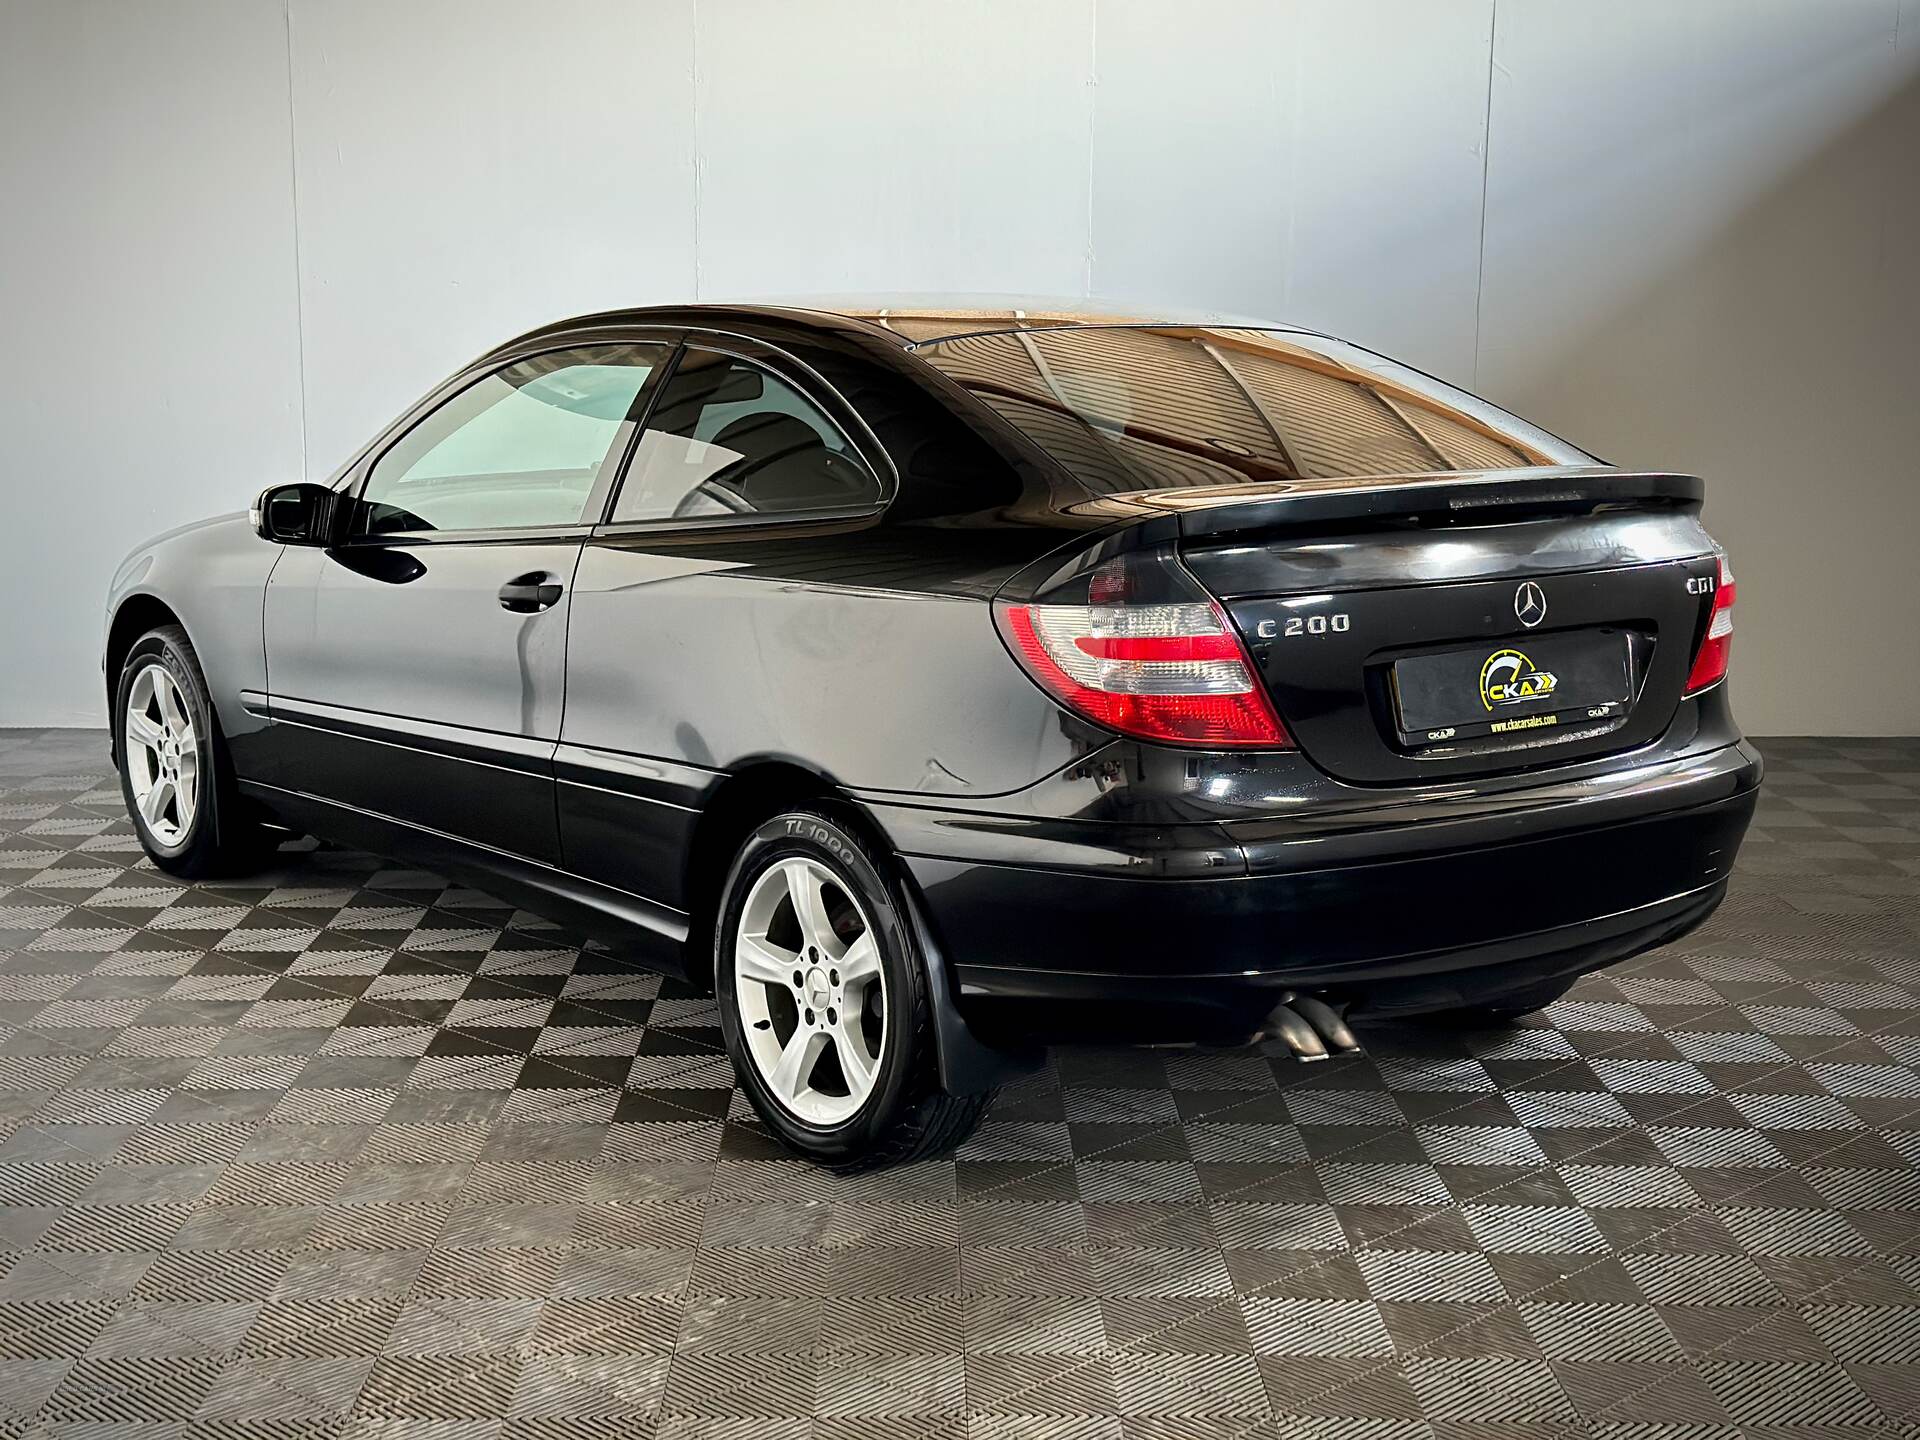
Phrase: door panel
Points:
(403, 685)
(730, 450)
(416, 669)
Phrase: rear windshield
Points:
(1144, 407)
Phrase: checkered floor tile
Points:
(348, 1151)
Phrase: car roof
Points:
(899, 324)
(920, 318)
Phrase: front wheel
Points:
(174, 771)
(823, 1000)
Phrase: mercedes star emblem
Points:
(1530, 604)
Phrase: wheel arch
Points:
(740, 802)
(135, 616)
(754, 794)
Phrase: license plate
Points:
(1513, 687)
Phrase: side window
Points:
(729, 438)
(529, 445)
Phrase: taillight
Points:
(1710, 662)
(1152, 664)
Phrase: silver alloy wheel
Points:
(812, 999)
(162, 753)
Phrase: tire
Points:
(898, 1113)
(209, 833)
(1507, 1008)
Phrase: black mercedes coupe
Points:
(932, 682)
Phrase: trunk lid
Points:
(1422, 628)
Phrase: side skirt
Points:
(654, 934)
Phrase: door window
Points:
(728, 437)
(531, 445)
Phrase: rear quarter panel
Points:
(748, 652)
(862, 656)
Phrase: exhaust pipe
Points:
(1332, 1028)
(1311, 1028)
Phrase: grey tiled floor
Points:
(348, 1151)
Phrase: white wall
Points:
(149, 330)
(1706, 254)
(236, 235)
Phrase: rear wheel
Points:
(823, 1000)
(174, 772)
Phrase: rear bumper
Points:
(1401, 906)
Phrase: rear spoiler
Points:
(1303, 511)
(1477, 498)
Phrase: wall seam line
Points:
(299, 270)
(698, 158)
(1486, 166)
(1093, 102)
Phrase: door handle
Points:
(525, 594)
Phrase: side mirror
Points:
(299, 514)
